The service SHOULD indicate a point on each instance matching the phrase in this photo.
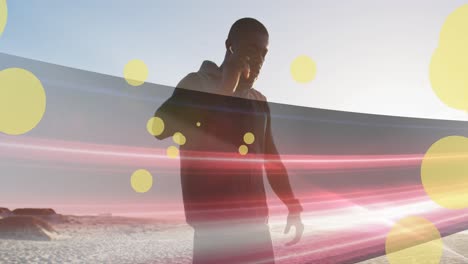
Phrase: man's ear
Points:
(227, 44)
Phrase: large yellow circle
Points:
(3, 15)
(454, 30)
(413, 240)
(303, 69)
(155, 126)
(449, 77)
(22, 101)
(448, 70)
(444, 172)
(135, 72)
(141, 181)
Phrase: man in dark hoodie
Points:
(227, 126)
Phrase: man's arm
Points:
(276, 172)
(174, 112)
(279, 181)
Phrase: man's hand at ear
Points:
(233, 67)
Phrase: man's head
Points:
(249, 37)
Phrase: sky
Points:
(372, 57)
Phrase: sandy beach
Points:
(455, 251)
(104, 239)
(111, 239)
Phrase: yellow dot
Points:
(22, 101)
(413, 240)
(141, 181)
(444, 172)
(198, 124)
(303, 69)
(3, 15)
(172, 152)
(135, 72)
(179, 138)
(155, 126)
(449, 64)
(249, 138)
(243, 149)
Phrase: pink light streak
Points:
(355, 220)
(88, 153)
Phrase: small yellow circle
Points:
(249, 138)
(155, 126)
(444, 172)
(303, 69)
(3, 15)
(198, 124)
(172, 152)
(179, 138)
(22, 101)
(413, 240)
(141, 181)
(135, 72)
(243, 149)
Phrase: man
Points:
(227, 126)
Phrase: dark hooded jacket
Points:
(218, 182)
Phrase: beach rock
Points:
(46, 214)
(26, 228)
(4, 212)
(34, 211)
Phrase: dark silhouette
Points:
(222, 186)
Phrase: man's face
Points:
(255, 46)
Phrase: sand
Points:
(455, 251)
(104, 240)
(107, 239)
